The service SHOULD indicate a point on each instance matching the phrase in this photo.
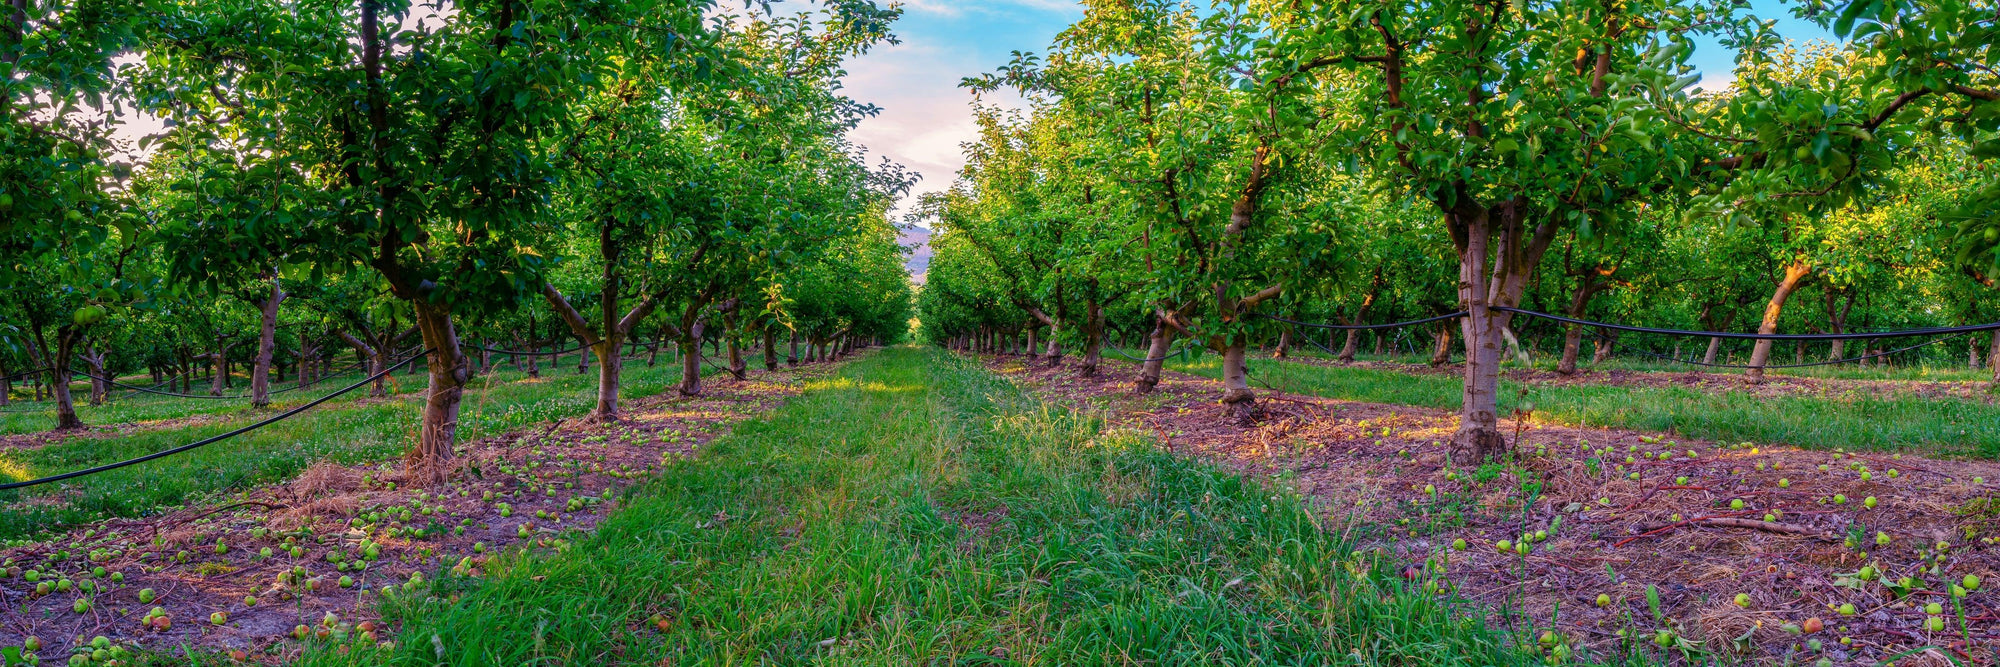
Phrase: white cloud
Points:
(925, 115)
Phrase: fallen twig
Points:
(1728, 521)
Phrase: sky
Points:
(925, 115)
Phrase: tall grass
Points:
(1937, 426)
(915, 509)
(347, 430)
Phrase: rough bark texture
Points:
(429, 463)
(66, 418)
(733, 337)
(218, 379)
(1441, 349)
(1353, 344)
(1714, 348)
(1587, 286)
(1761, 354)
(377, 362)
(1836, 318)
(770, 348)
(1478, 437)
(267, 343)
(1157, 344)
(1236, 392)
(691, 360)
(98, 387)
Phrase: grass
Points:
(1946, 427)
(128, 406)
(915, 509)
(1955, 372)
(347, 430)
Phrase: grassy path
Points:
(1938, 427)
(915, 509)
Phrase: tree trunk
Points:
(98, 385)
(1032, 354)
(1605, 342)
(1972, 354)
(267, 343)
(691, 361)
(66, 418)
(792, 359)
(1573, 333)
(429, 463)
(1761, 354)
(1093, 338)
(1714, 347)
(1284, 344)
(1236, 393)
(770, 348)
(220, 362)
(1572, 343)
(1157, 343)
(307, 351)
(734, 338)
(1836, 319)
(1993, 360)
(1441, 352)
(57, 366)
(1478, 438)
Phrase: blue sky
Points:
(926, 115)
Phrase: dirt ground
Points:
(1774, 384)
(1617, 514)
(309, 558)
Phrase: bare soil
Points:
(550, 481)
(1379, 474)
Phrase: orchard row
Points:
(392, 177)
(1189, 175)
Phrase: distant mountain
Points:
(918, 239)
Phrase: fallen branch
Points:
(1725, 521)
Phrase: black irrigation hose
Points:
(1177, 353)
(209, 440)
(1323, 348)
(1391, 325)
(325, 378)
(518, 352)
(1934, 331)
(122, 385)
(23, 374)
(1829, 362)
